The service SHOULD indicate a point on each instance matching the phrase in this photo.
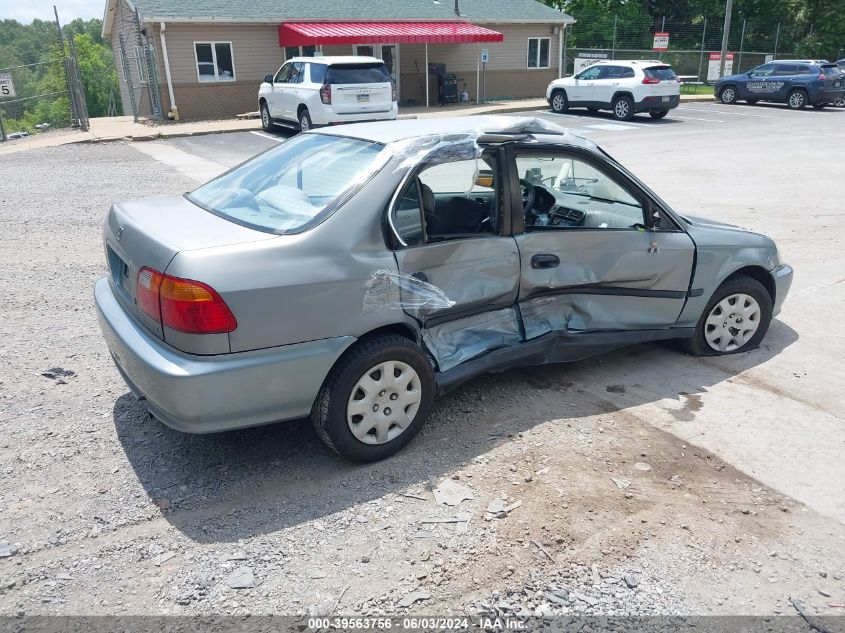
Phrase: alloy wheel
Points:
(621, 109)
(732, 322)
(728, 95)
(304, 123)
(558, 102)
(796, 100)
(384, 402)
(265, 117)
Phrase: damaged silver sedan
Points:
(353, 274)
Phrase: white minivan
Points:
(314, 91)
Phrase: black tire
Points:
(839, 102)
(593, 109)
(819, 106)
(329, 413)
(796, 100)
(559, 102)
(751, 101)
(304, 120)
(728, 95)
(698, 345)
(623, 108)
(266, 119)
(658, 114)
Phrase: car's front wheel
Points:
(623, 108)
(376, 399)
(266, 119)
(728, 95)
(658, 114)
(559, 102)
(797, 99)
(735, 320)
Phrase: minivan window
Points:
(293, 186)
(363, 73)
(663, 73)
(318, 73)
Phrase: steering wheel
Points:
(529, 196)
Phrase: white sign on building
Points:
(584, 60)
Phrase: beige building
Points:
(203, 59)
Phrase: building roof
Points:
(277, 11)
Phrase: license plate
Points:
(363, 98)
(665, 98)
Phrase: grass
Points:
(696, 90)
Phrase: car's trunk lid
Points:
(360, 88)
(668, 85)
(150, 232)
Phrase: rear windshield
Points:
(660, 72)
(830, 69)
(366, 73)
(292, 187)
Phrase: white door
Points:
(607, 83)
(276, 101)
(583, 84)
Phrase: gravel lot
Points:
(573, 490)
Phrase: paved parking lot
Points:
(735, 467)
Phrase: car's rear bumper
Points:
(657, 103)
(782, 276)
(325, 116)
(826, 95)
(204, 394)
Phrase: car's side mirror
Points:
(268, 79)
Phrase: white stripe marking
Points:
(272, 138)
(765, 116)
(692, 118)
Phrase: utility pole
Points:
(728, 10)
(777, 37)
(613, 46)
(701, 55)
(2, 130)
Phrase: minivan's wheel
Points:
(658, 114)
(728, 95)
(735, 320)
(376, 399)
(559, 102)
(797, 99)
(304, 120)
(623, 108)
(266, 120)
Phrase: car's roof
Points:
(799, 61)
(338, 59)
(492, 127)
(634, 63)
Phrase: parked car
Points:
(354, 273)
(840, 101)
(315, 91)
(797, 83)
(623, 87)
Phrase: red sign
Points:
(661, 42)
(718, 56)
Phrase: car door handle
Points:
(545, 260)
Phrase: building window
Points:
(300, 51)
(141, 64)
(538, 52)
(214, 61)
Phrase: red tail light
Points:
(183, 304)
(326, 94)
(651, 80)
(392, 91)
(822, 76)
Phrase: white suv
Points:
(623, 87)
(310, 91)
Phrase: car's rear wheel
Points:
(728, 95)
(797, 99)
(266, 119)
(839, 102)
(658, 114)
(560, 104)
(376, 399)
(735, 320)
(304, 120)
(623, 108)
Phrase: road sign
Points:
(485, 55)
(714, 62)
(661, 41)
(7, 86)
(769, 58)
(583, 60)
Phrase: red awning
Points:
(313, 33)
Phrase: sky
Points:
(25, 11)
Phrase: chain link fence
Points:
(690, 46)
(135, 57)
(43, 95)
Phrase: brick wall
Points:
(221, 100)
